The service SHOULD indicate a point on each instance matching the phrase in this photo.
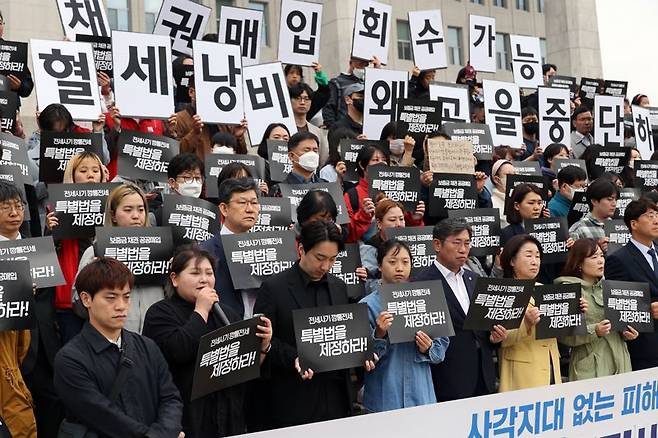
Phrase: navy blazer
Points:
(223, 281)
(457, 376)
(629, 264)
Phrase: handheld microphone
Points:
(217, 310)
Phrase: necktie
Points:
(654, 260)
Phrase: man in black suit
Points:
(468, 369)
(637, 261)
(239, 206)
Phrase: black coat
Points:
(628, 264)
(148, 404)
(174, 325)
(285, 399)
(457, 376)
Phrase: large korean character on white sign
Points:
(183, 21)
(243, 27)
(372, 30)
(83, 17)
(382, 90)
(65, 73)
(143, 79)
(427, 39)
(643, 131)
(453, 99)
(482, 43)
(554, 115)
(299, 32)
(266, 99)
(218, 82)
(526, 61)
(609, 120)
(502, 106)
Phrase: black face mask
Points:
(531, 128)
(358, 104)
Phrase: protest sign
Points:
(382, 90)
(485, 227)
(626, 196)
(101, 46)
(8, 108)
(144, 156)
(372, 30)
(502, 106)
(482, 43)
(40, 253)
(345, 268)
(579, 208)
(527, 168)
(14, 153)
(450, 156)
(453, 102)
(13, 58)
(559, 310)
(183, 21)
(295, 193)
(498, 301)
(451, 191)
(616, 231)
(627, 303)
(609, 159)
(190, 219)
(16, 296)
(398, 183)
(552, 233)
(216, 162)
(646, 173)
(83, 17)
(420, 242)
(427, 39)
(477, 134)
(417, 118)
(242, 27)
(526, 61)
(277, 157)
(57, 148)
(568, 82)
(274, 215)
(80, 208)
(299, 32)
(349, 149)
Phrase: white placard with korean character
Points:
(428, 39)
(183, 21)
(502, 106)
(526, 61)
(299, 32)
(454, 101)
(382, 90)
(218, 81)
(65, 73)
(482, 43)
(643, 131)
(266, 99)
(143, 79)
(554, 115)
(83, 17)
(609, 120)
(372, 30)
(243, 27)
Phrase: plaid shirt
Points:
(588, 227)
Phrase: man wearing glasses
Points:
(301, 96)
(581, 137)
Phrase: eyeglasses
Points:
(7, 207)
(190, 179)
(652, 216)
(302, 98)
(243, 204)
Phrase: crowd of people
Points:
(115, 358)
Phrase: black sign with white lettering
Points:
(398, 183)
(190, 219)
(617, 231)
(12, 175)
(615, 88)
(349, 149)
(559, 309)
(40, 253)
(57, 148)
(102, 47)
(552, 233)
(569, 82)
(515, 180)
(485, 226)
(527, 168)
(498, 301)
(8, 107)
(646, 173)
(345, 268)
(420, 242)
(452, 191)
(274, 215)
(216, 162)
(588, 89)
(226, 357)
(16, 296)
(627, 303)
(416, 306)
(277, 154)
(561, 163)
(626, 196)
(295, 193)
(333, 337)
(477, 133)
(13, 58)
(579, 208)
(417, 118)
(80, 208)
(252, 257)
(144, 156)
(182, 74)
(14, 153)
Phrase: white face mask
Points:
(309, 161)
(360, 73)
(192, 189)
(396, 146)
(222, 150)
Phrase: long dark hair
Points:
(580, 250)
(518, 195)
(262, 147)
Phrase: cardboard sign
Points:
(609, 159)
(609, 120)
(498, 301)
(554, 115)
(482, 43)
(502, 106)
(626, 196)
(190, 219)
(274, 215)
(453, 101)
(417, 118)
(427, 39)
(40, 253)
(526, 61)
(372, 30)
(252, 257)
(83, 17)
(8, 107)
(80, 208)
(295, 193)
(299, 32)
(452, 191)
(477, 134)
(14, 153)
(416, 306)
(277, 157)
(450, 156)
(559, 310)
(102, 49)
(183, 21)
(628, 303)
(242, 27)
(57, 148)
(568, 82)
(420, 242)
(617, 231)
(349, 150)
(345, 268)
(485, 226)
(144, 156)
(646, 173)
(13, 58)
(398, 183)
(227, 357)
(16, 296)
(552, 233)
(383, 88)
(216, 162)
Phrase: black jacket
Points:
(336, 106)
(174, 325)
(149, 403)
(457, 376)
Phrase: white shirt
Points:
(248, 296)
(117, 342)
(456, 283)
(5, 239)
(645, 251)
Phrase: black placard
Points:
(40, 253)
(13, 58)
(12, 175)
(252, 257)
(345, 268)
(485, 226)
(615, 88)
(515, 180)
(14, 152)
(16, 296)
(451, 191)
(561, 163)
(552, 233)
(333, 337)
(530, 168)
(182, 75)
(349, 149)
(416, 306)
(398, 183)
(626, 196)
(569, 82)
(588, 89)
(420, 242)
(57, 148)
(295, 193)
(498, 301)
(646, 173)
(146, 251)
(627, 303)
(190, 219)
(617, 231)
(479, 134)
(227, 357)
(559, 309)
(80, 208)
(144, 156)
(277, 156)
(102, 47)
(8, 107)
(417, 118)
(216, 162)
(274, 215)
(609, 159)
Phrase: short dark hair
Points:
(52, 114)
(546, 67)
(389, 130)
(10, 192)
(512, 248)
(103, 272)
(184, 162)
(518, 195)
(580, 110)
(528, 111)
(581, 249)
(231, 186)
(289, 68)
(570, 174)
(225, 139)
(232, 170)
(314, 202)
(364, 156)
(297, 90)
(212, 37)
(333, 138)
(552, 150)
(300, 137)
(450, 227)
(392, 244)
(635, 209)
(316, 232)
(601, 188)
(181, 257)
